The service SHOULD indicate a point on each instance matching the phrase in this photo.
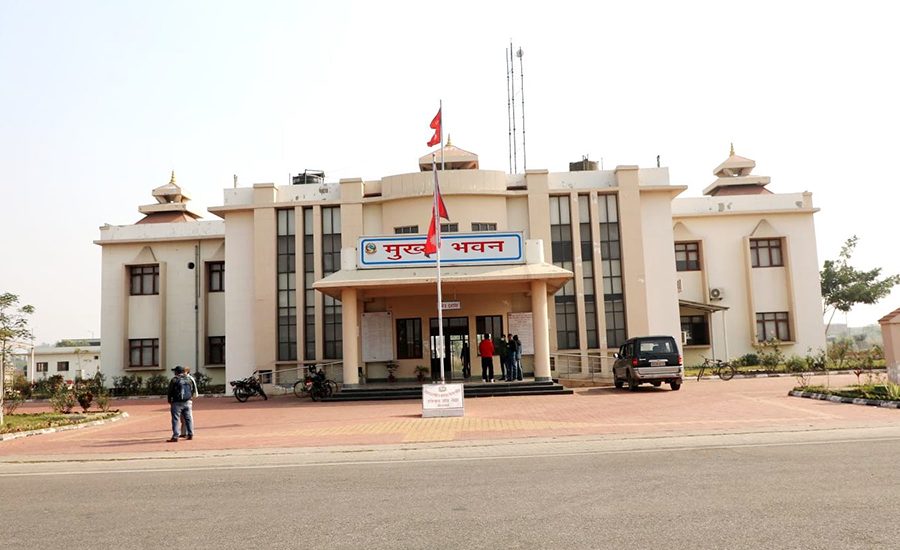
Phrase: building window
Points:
(687, 256)
(771, 326)
(766, 253)
(563, 256)
(406, 229)
(215, 350)
(484, 226)
(62, 366)
(42, 367)
(144, 280)
(587, 264)
(449, 228)
(216, 273)
(309, 277)
(331, 262)
(287, 285)
(409, 338)
(144, 352)
(491, 325)
(697, 329)
(611, 260)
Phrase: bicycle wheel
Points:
(727, 372)
(700, 374)
(300, 388)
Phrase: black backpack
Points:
(183, 390)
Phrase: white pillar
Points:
(539, 317)
(349, 316)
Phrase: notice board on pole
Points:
(377, 337)
(522, 324)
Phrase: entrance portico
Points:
(486, 294)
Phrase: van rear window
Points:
(659, 345)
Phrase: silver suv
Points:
(650, 359)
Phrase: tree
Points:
(844, 286)
(13, 329)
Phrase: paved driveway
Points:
(700, 407)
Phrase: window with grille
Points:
(42, 367)
(406, 229)
(144, 352)
(409, 338)
(62, 366)
(144, 280)
(697, 329)
(484, 226)
(563, 256)
(766, 253)
(216, 276)
(449, 227)
(687, 256)
(331, 262)
(491, 325)
(287, 285)
(772, 326)
(309, 277)
(611, 262)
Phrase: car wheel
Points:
(619, 384)
(675, 386)
(632, 383)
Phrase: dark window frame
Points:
(611, 270)
(450, 227)
(286, 284)
(409, 348)
(215, 276)
(42, 366)
(485, 324)
(59, 367)
(332, 310)
(691, 251)
(562, 250)
(142, 344)
(137, 275)
(694, 325)
(766, 253)
(773, 324)
(406, 229)
(588, 272)
(215, 350)
(484, 226)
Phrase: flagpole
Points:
(437, 229)
(441, 110)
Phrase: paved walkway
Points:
(284, 422)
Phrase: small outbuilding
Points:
(890, 334)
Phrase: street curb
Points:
(787, 374)
(853, 400)
(18, 435)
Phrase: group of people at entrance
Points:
(509, 349)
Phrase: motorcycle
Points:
(245, 388)
(314, 384)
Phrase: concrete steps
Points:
(498, 389)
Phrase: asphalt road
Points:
(823, 489)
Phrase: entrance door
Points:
(456, 334)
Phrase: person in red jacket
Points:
(486, 349)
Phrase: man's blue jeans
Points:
(186, 408)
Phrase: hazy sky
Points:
(100, 100)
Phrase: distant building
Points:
(70, 362)
(574, 262)
(890, 335)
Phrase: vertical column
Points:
(632, 241)
(350, 338)
(539, 316)
(320, 298)
(598, 271)
(578, 270)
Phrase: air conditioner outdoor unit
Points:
(716, 293)
(679, 284)
(684, 337)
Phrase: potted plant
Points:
(420, 373)
(391, 368)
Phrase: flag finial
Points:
(731, 154)
(172, 181)
(449, 141)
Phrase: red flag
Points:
(436, 126)
(438, 211)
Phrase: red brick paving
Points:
(285, 421)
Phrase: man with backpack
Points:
(181, 392)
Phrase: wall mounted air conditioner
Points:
(684, 337)
(716, 293)
(679, 284)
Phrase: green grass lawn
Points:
(24, 422)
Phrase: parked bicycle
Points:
(722, 369)
(315, 385)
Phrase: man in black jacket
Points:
(181, 393)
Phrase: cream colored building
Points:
(574, 262)
(890, 335)
(68, 362)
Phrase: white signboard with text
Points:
(377, 337)
(456, 249)
(440, 400)
(522, 324)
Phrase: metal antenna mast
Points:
(508, 117)
(519, 54)
(513, 92)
